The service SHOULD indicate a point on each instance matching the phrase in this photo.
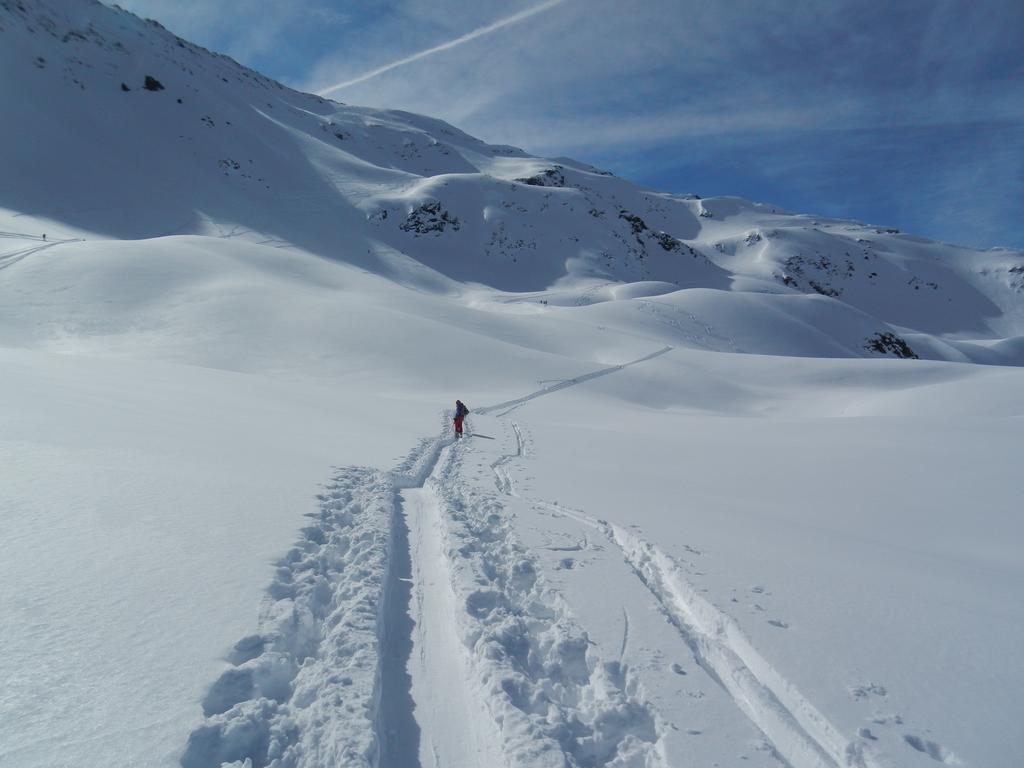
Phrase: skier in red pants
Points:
(460, 414)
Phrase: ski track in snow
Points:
(798, 731)
(325, 680)
(447, 706)
(556, 703)
(509, 405)
(413, 576)
(10, 258)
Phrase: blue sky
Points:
(906, 114)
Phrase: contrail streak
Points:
(515, 18)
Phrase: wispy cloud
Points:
(813, 110)
(447, 46)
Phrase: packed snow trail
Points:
(397, 730)
(447, 712)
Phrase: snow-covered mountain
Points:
(151, 136)
(706, 517)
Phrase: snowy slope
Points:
(702, 520)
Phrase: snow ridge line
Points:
(555, 703)
(566, 383)
(800, 733)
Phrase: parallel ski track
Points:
(252, 706)
(796, 728)
(11, 258)
(799, 732)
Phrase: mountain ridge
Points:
(137, 133)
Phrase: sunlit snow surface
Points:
(706, 515)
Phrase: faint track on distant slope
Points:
(10, 258)
(508, 405)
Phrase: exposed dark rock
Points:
(824, 290)
(152, 84)
(639, 227)
(429, 217)
(820, 273)
(886, 343)
(635, 222)
(552, 177)
(666, 241)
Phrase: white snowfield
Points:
(741, 487)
